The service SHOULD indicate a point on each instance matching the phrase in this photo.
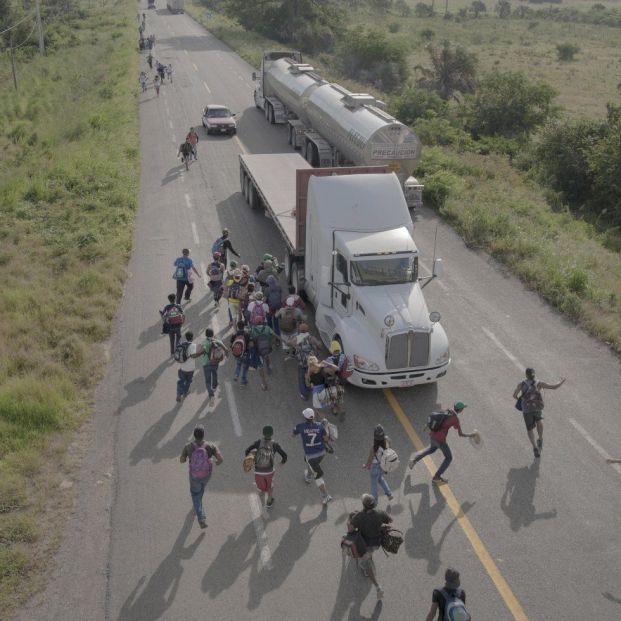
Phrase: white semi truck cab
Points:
(349, 236)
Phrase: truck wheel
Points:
(248, 185)
(310, 154)
(290, 140)
(242, 182)
(256, 103)
(290, 265)
(267, 111)
(253, 196)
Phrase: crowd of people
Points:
(158, 72)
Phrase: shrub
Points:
(438, 188)
(415, 103)
(566, 51)
(424, 10)
(394, 27)
(427, 34)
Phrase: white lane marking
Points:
(170, 124)
(230, 397)
(186, 52)
(188, 202)
(582, 431)
(265, 554)
(204, 270)
(197, 241)
(240, 78)
(206, 87)
(174, 138)
(503, 349)
(195, 67)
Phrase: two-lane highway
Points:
(533, 539)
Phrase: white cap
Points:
(290, 301)
(308, 413)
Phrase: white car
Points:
(219, 120)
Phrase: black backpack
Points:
(436, 420)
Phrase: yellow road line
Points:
(481, 551)
(242, 146)
(195, 67)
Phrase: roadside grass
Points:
(68, 195)
(491, 204)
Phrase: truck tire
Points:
(290, 265)
(256, 103)
(310, 154)
(242, 181)
(253, 196)
(266, 109)
(247, 187)
(290, 136)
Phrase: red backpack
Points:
(257, 314)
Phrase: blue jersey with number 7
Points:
(312, 437)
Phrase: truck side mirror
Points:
(438, 268)
(254, 76)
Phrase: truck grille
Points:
(407, 350)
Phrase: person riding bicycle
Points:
(192, 138)
(185, 150)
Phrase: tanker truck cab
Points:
(361, 274)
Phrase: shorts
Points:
(264, 481)
(531, 419)
(366, 560)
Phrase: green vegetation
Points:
(496, 164)
(68, 193)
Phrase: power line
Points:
(14, 47)
(17, 24)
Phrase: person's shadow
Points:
(419, 542)
(141, 388)
(159, 593)
(292, 546)
(353, 590)
(151, 334)
(611, 598)
(517, 499)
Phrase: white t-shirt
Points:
(190, 363)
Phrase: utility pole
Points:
(39, 26)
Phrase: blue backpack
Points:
(218, 245)
(181, 272)
(455, 609)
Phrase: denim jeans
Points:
(181, 285)
(432, 448)
(211, 378)
(302, 387)
(377, 477)
(184, 381)
(274, 323)
(174, 335)
(197, 489)
(241, 366)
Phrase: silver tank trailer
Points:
(363, 133)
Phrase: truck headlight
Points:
(444, 358)
(361, 362)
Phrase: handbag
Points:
(391, 540)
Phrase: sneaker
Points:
(536, 451)
(326, 499)
(235, 378)
(540, 444)
(202, 523)
(411, 463)
(179, 398)
(438, 480)
(244, 382)
(390, 497)
(303, 397)
(380, 592)
(307, 477)
(270, 503)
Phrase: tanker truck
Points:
(332, 126)
(355, 263)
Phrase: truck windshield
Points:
(384, 270)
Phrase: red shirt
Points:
(451, 421)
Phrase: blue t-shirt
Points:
(312, 438)
(183, 266)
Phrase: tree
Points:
(370, 56)
(307, 24)
(478, 7)
(503, 8)
(508, 104)
(452, 71)
(423, 10)
(403, 8)
(414, 103)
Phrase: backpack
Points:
(454, 609)
(532, 399)
(216, 353)
(181, 273)
(303, 351)
(389, 461)
(181, 352)
(217, 245)
(174, 316)
(264, 457)
(200, 464)
(287, 321)
(235, 291)
(353, 544)
(257, 314)
(238, 347)
(436, 420)
(215, 272)
(263, 343)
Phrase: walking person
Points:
(273, 298)
(240, 348)
(172, 321)
(530, 402)
(156, 85)
(316, 380)
(192, 138)
(169, 72)
(439, 425)
(150, 60)
(289, 317)
(314, 438)
(234, 292)
(369, 523)
(215, 272)
(306, 346)
(262, 337)
(188, 361)
(449, 602)
(373, 464)
(223, 245)
(142, 78)
(265, 449)
(214, 351)
(183, 266)
(200, 455)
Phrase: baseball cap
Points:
(290, 301)
(308, 413)
(268, 431)
(368, 502)
(458, 406)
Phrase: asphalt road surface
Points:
(533, 539)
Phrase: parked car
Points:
(219, 120)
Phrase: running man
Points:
(450, 596)
(192, 137)
(172, 321)
(444, 421)
(223, 245)
(183, 266)
(200, 455)
(530, 401)
(185, 374)
(264, 449)
(314, 437)
(214, 352)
